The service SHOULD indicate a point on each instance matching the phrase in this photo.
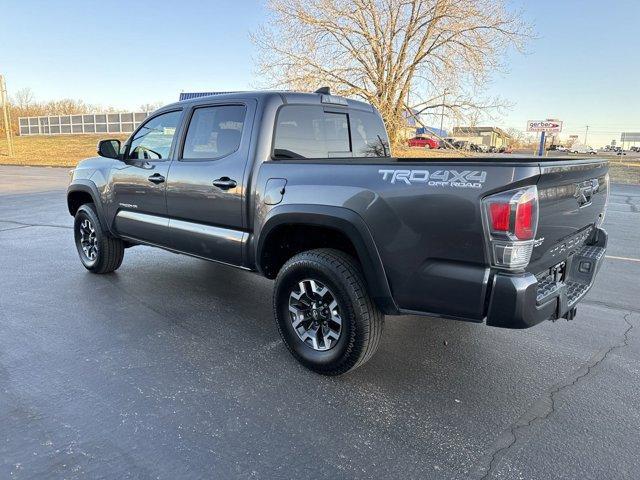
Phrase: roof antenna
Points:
(323, 91)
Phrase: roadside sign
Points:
(630, 137)
(544, 126)
(554, 126)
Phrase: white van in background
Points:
(582, 149)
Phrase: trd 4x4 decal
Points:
(436, 178)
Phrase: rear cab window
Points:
(214, 132)
(315, 132)
(368, 134)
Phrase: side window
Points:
(368, 135)
(214, 132)
(154, 139)
(309, 132)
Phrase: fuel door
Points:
(274, 191)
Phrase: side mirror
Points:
(109, 148)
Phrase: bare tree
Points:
(392, 53)
(23, 104)
(150, 107)
(67, 106)
(520, 139)
(23, 98)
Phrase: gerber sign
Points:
(554, 126)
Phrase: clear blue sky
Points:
(583, 68)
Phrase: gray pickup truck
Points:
(301, 188)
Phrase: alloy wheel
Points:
(88, 239)
(315, 314)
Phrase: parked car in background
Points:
(582, 149)
(479, 148)
(612, 148)
(423, 142)
(618, 149)
(447, 143)
(558, 148)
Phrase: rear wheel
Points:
(325, 316)
(99, 252)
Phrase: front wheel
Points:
(99, 252)
(325, 315)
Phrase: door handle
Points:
(156, 178)
(224, 183)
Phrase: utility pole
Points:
(585, 134)
(444, 96)
(6, 115)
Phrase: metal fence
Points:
(81, 123)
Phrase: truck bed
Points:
(425, 216)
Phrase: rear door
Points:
(206, 183)
(572, 197)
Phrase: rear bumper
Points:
(523, 300)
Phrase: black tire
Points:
(362, 322)
(109, 251)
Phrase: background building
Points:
(489, 136)
(431, 132)
(91, 123)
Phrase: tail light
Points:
(511, 220)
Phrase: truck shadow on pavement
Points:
(215, 302)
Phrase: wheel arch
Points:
(344, 224)
(84, 191)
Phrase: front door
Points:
(206, 184)
(139, 187)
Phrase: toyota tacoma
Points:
(302, 188)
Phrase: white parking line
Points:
(623, 258)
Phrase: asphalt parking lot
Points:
(172, 367)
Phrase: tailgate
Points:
(572, 199)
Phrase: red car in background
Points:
(424, 142)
